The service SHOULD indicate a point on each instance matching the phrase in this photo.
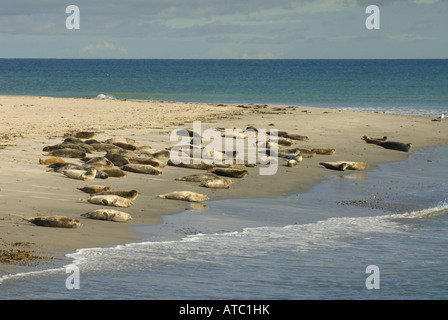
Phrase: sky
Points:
(218, 29)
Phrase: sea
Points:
(376, 235)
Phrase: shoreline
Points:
(29, 123)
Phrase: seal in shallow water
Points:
(54, 221)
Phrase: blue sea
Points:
(319, 244)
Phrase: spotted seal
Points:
(108, 214)
(185, 196)
(54, 221)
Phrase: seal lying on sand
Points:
(192, 165)
(68, 153)
(324, 151)
(54, 221)
(374, 140)
(86, 175)
(399, 146)
(132, 195)
(297, 137)
(51, 160)
(95, 189)
(185, 196)
(198, 177)
(109, 200)
(228, 172)
(108, 214)
(142, 168)
(221, 183)
(344, 165)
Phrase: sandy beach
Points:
(28, 189)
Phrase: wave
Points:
(254, 242)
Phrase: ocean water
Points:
(403, 86)
(312, 245)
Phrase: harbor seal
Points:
(374, 140)
(108, 214)
(185, 196)
(116, 159)
(228, 172)
(126, 146)
(221, 183)
(198, 177)
(51, 160)
(192, 165)
(86, 175)
(82, 134)
(142, 168)
(324, 151)
(64, 146)
(152, 161)
(132, 195)
(104, 147)
(92, 189)
(296, 137)
(109, 200)
(345, 165)
(54, 221)
(292, 163)
(68, 153)
(115, 173)
(399, 146)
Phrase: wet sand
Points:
(27, 189)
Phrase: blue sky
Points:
(231, 29)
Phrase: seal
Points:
(120, 140)
(324, 151)
(104, 147)
(374, 140)
(108, 214)
(152, 161)
(116, 159)
(161, 155)
(86, 175)
(67, 153)
(84, 134)
(344, 165)
(54, 221)
(142, 168)
(292, 163)
(109, 200)
(296, 137)
(185, 196)
(132, 195)
(126, 146)
(51, 160)
(198, 177)
(221, 183)
(228, 172)
(287, 142)
(115, 172)
(92, 189)
(399, 146)
(65, 146)
(192, 165)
